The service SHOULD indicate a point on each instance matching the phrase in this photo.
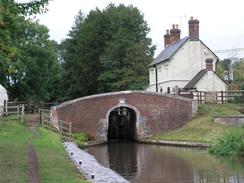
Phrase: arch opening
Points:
(122, 124)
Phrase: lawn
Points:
(54, 165)
(202, 127)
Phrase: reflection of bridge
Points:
(125, 115)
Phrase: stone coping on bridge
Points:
(123, 92)
(176, 143)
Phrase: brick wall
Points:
(155, 112)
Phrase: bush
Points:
(80, 138)
(231, 144)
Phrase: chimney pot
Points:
(209, 64)
(167, 39)
(177, 26)
(193, 29)
(173, 26)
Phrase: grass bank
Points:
(54, 166)
(202, 127)
(13, 143)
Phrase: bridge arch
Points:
(122, 121)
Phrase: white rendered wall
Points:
(3, 95)
(211, 82)
(182, 67)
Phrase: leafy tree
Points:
(221, 69)
(28, 64)
(107, 51)
(39, 70)
(238, 68)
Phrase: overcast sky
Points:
(221, 21)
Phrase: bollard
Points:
(92, 176)
(65, 147)
(80, 162)
(71, 153)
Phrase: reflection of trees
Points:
(206, 168)
(149, 163)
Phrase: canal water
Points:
(144, 163)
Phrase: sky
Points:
(221, 21)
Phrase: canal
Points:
(143, 163)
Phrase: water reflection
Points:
(159, 164)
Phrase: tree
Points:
(28, 64)
(238, 68)
(107, 51)
(39, 68)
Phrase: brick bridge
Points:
(130, 115)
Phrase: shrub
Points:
(231, 144)
(80, 138)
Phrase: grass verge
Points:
(14, 138)
(202, 127)
(230, 145)
(80, 139)
(54, 165)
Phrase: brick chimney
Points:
(166, 39)
(174, 33)
(193, 29)
(209, 64)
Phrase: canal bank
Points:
(90, 168)
(176, 143)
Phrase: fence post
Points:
(61, 127)
(18, 111)
(5, 108)
(200, 97)
(70, 128)
(50, 124)
(222, 97)
(22, 112)
(42, 118)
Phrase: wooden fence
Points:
(63, 127)
(214, 97)
(30, 107)
(18, 110)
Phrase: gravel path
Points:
(89, 166)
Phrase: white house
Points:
(185, 63)
(3, 95)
